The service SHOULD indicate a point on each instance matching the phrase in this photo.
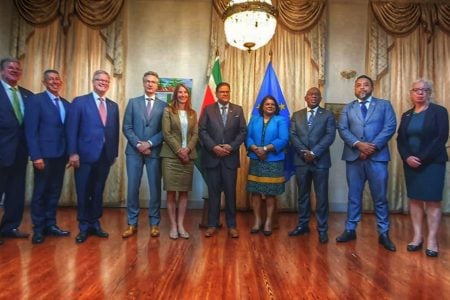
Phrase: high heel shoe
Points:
(184, 234)
(414, 248)
(431, 253)
(255, 229)
(173, 234)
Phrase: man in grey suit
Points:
(142, 128)
(222, 130)
(366, 125)
(312, 132)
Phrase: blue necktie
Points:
(363, 109)
(311, 117)
(56, 99)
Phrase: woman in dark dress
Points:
(422, 135)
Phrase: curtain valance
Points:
(93, 13)
(401, 18)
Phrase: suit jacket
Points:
(137, 127)
(433, 137)
(317, 138)
(171, 128)
(44, 130)
(212, 132)
(12, 134)
(377, 128)
(86, 134)
(277, 134)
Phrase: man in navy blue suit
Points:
(366, 125)
(46, 139)
(142, 128)
(13, 147)
(92, 144)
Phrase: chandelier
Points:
(249, 24)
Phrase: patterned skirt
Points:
(266, 177)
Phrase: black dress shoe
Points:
(323, 237)
(16, 233)
(299, 230)
(38, 238)
(414, 248)
(384, 240)
(346, 236)
(100, 233)
(431, 253)
(55, 230)
(81, 237)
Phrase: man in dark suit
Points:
(13, 147)
(312, 132)
(366, 125)
(142, 128)
(222, 130)
(92, 144)
(46, 139)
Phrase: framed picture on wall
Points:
(166, 87)
(335, 108)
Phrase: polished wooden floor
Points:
(251, 267)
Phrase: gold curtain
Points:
(401, 50)
(76, 51)
(298, 48)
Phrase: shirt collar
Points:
(367, 100)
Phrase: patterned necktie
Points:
(224, 114)
(102, 110)
(149, 107)
(56, 99)
(16, 105)
(311, 117)
(363, 109)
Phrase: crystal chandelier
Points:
(249, 24)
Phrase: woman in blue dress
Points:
(422, 135)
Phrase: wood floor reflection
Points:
(251, 267)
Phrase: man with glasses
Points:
(13, 148)
(92, 142)
(366, 125)
(143, 129)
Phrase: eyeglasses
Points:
(102, 80)
(423, 90)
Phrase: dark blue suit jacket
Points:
(433, 139)
(44, 130)
(86, 134)
(317, 138)
(12, 134)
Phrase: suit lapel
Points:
(372, 107)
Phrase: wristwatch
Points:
(265, 148)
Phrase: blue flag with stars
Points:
(270, 86)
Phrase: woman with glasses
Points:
(422, 135)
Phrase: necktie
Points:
(16, 105)
(149, 107)
(311, 117)
(363, 109)
(102, 110)
(56, 99)
(224, 114)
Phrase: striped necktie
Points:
(16, 105)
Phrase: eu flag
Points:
(270, 86)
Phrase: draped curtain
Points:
(297, 51)
(408, 41)
(76, 38)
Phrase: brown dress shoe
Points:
(233, 233)
(210, 231)
(131, 230)
(154, 231)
